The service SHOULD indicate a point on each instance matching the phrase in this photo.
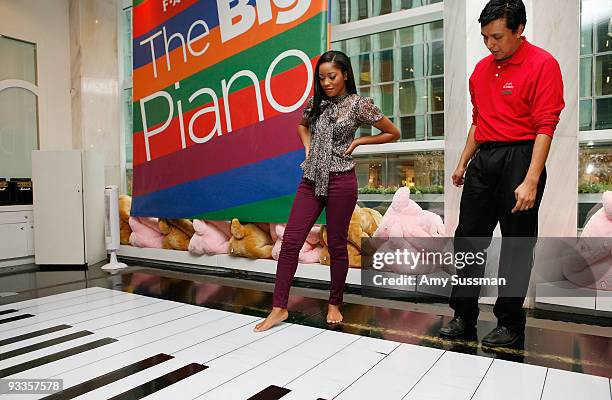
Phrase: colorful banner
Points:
(218, 89)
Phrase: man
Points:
(517, 97)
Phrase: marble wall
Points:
(95, 92)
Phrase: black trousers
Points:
(496, 170)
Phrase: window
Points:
(594, 178)
(596, 65)
(18, 108)
(344, 11)
(403, 71)
(127, 105)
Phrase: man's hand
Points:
(525, 195)
(457, 177)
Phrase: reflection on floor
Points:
(181, 338)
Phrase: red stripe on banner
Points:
(252, 144)
(151, 14)
(169, 140)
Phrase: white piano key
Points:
(284, 368)
(79, 312)
(38, 339)
(562, 385)
(507, 380)
(141, 345)
(393, 377)
(238, 361)
(44, 307)
(329, 378)
(52, 298)
(453, 376)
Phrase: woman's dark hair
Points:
(512, 10)
(343, 63)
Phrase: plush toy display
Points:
(211, 237)
(309, 253)
(145, 232)
(177, 233)
(409, 227)
(363, 224)
(125, 205)
(405, 218)
(250, 240)
(594, 268)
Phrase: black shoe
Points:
(501, 336)
(456, 328)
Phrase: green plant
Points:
(594, 187)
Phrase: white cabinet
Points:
(68, 206)
(16, 233)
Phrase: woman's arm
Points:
(389, 133)
(304, 134)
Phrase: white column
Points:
(95, 81)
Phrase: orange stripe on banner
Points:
(151, 14)
(145, 82)
(169, 140)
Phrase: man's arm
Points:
(471, 145)
(526, 192)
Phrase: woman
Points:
(327, 130)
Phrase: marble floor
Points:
(149, 334)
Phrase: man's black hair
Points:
(512, 10)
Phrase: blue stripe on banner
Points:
(203, 10)
(282, 175)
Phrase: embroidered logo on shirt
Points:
(507, 88)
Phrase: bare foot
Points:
(334, 316)
(276, 316)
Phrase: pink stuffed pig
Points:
(211, 237)
(145, 232)
(311, 250)
(595, 246)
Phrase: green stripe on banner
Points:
(137, 2)
(257, 59)
(274, 210)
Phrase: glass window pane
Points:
(381, 7)
(340, 46)
(383, 66)
(435, 64)
(411, 35)
(586, 115)
(127, 44)
(370, 171)
(358, 45)
(603, 75)
(436, 94)
(383, 98)
(18, 60)
(364, 70)
(434, 31)
(412, 61)
(604, 31)
(383, 40)
(435, 126)
(603, 113)
(358, 10)
(412, 128)
(412, 97)
(595, 168)
(408, 4)
(586, 35)
(338, 10)
(586, 76)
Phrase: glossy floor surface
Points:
(160, 335)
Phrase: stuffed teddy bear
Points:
(410, 228)
(310, 251)
(250, 240)
(145, 232)
(364, 222)
(177, 233)
(125, 205)
(594, 268)
(211, 237)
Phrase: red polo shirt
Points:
(517, 98)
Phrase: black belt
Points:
(494, 145)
